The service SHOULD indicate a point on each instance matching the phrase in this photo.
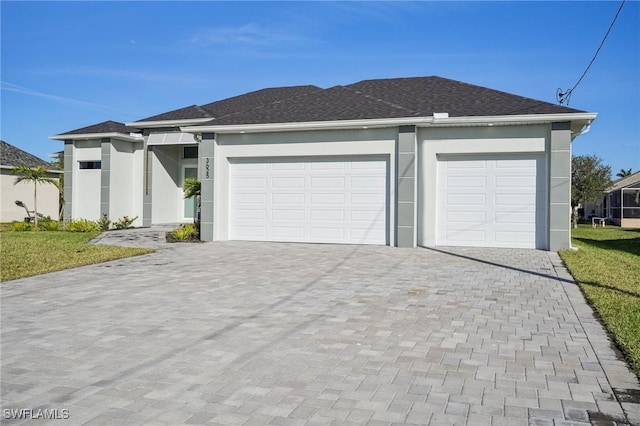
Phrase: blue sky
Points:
(66, 65)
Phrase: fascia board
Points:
(167, 123)
(307, 125)
(48, 170)
(388, 122)
(513, 119)
(83, 136)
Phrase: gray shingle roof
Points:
(193, 111)
(336, 103)
(235, 104)
(12, 156)
(104, 127)
(394, 98)
(427, 95)
(367, 99)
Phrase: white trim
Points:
(389, 122)
(167, 123)
(14, 167)
(83, 136)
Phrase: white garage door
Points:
(329, 200)
(490, 201)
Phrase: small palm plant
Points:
(192, 188)
(37, 175)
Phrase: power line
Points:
(566, 96)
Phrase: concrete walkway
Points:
(301, 334)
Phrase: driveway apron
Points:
(242, 333)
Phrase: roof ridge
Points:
(320, 89)
(375, 98)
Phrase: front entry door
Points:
(190, 204)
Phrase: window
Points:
(90, 165)
(190, 152)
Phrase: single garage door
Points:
(491, 201)
(327, 200)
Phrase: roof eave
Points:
(429, 121)
(167, 123)
(48, 170)
(85, 136)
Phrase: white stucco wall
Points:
(48, 201)
(125, 186)
(165, 184)
(86, 183)
(471, 140)
(297, 144)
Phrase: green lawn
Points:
(25, 254)
(607, 267)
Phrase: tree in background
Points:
(37, 175)
(624, 173)
(589, 179)
(60, 185)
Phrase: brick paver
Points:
(303, 334)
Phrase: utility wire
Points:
(566, 96)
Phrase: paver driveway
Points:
(301, 334)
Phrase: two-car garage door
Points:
(321, 200)
(491, 201)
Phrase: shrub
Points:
(104, 222)
(82, 225)
(185, 232)
(49, 225)
(22, 226)
(125, 222)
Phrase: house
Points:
(403, 162)
(622, 201)
(48, 195)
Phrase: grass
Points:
(25, 254)
(607, 268)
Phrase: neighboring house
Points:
(403, 162)
(48, 195)
(622, 201)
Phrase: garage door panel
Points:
(287, 182)
(453, 216)
(288, 214)
(489, 200)
(327, 199)
(518, 201)
(245, 230)
(319, 215)
(287, 232)
(465, 181)
(520, 218)
(466, 199)
(341, 201)
(282, 166)
(465, 237)
(368, 182)
(251, 199)
(327, 182)
(515, 181)
(513, 237)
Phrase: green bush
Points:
(49, 225)
(104, 222)
(125, 222)
(82, 225)
(185, 232)
(22, 226)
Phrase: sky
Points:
(67, 65)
